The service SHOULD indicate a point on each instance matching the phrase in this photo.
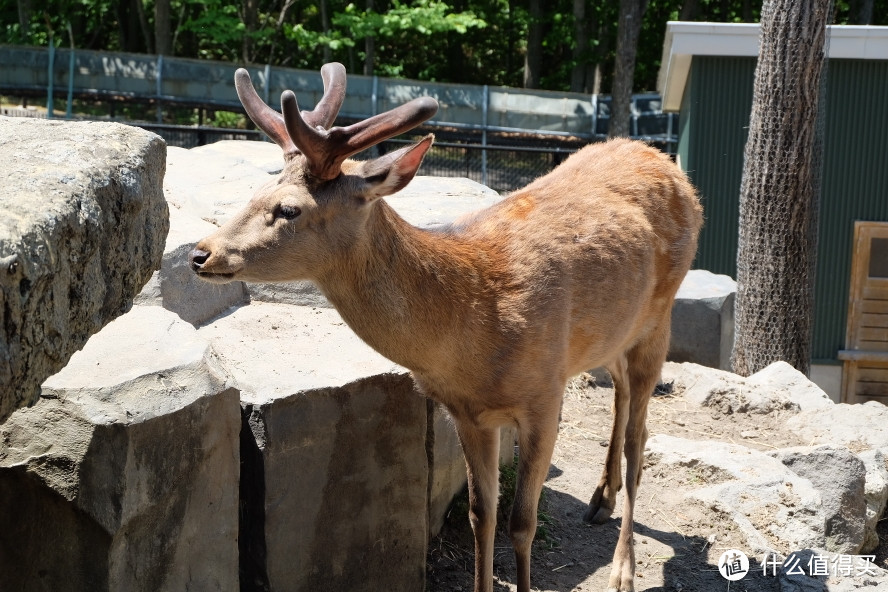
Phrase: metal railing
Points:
(168, 81)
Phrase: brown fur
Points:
(494, 313)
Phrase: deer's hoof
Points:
(600, 507)
(597, 515)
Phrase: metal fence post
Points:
(50, 104)
(70, 107)
(159, 88)
(484, 106)
(374, 109)
(267, 83)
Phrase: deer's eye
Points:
(288, 212)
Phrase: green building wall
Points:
(714, 125)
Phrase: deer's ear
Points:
(391, 172)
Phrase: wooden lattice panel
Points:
(866, 357)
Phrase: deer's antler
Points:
(271, 122)
(309, 132)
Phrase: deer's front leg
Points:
(481, 449)
(536, 441)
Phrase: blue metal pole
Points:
(69, 109)
(51, 77)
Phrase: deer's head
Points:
(297, 222)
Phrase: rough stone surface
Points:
(747, 485)
(876, 493)
(82, 226)
(336, 472)
(344, 474)
(776, 387)
(839, 475)
(123, 477)
(175, 287)
(840, 483)
(703, 320)
(860, 427)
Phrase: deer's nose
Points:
(197, 258)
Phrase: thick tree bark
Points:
(369, 48)
(250, 18)
(779, 193)
(628, 30)
(581, 40)
(143, 23)
(24, 14)
(325, 25)
(861, 12)
(163, 37)
(533, 58)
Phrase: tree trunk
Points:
(631, 13)
(861, 12)
(250, 19)
(369, 49)
(162, 30)
(779, 193)
(533, 58)
(143, 23)
(24, 15)
(689, 10)
(325, 25)
(580, 50)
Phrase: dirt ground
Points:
(677, 543)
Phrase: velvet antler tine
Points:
(325, 112)
(326, 149)
(265, 118)
(310, 140)
(379, 128)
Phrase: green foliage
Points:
(425, 17)
(470, 41)
(218, 25)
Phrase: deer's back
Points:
(594, 251)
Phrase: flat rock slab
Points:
(275, 350)
(703, 320)
(82, 227)
(124, 476)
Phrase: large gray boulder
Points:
(840, 477)
(82, 226)
(845, 465)
(335, 470)
(778, 386)
(703, 320)
(124, 476)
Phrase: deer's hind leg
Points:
(645, 361)
(604, 499)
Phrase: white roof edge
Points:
(685, 40)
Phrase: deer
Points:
(493, 313)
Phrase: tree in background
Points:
(533, 54)
(628, 30)
(779, 193)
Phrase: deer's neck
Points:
(407, 292)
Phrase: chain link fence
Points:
(503, 168)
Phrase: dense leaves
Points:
(470, 41)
